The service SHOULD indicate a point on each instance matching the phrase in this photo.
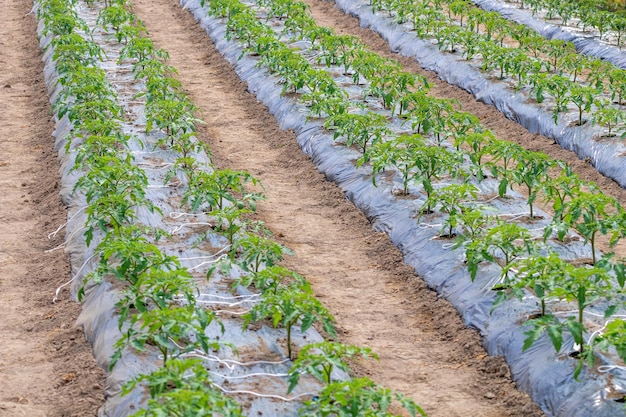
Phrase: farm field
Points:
(425, 350)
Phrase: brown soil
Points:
(46, 367)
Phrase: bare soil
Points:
(46, 366)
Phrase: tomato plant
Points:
(183, 387)
(289, 305)
(505, 158)
(608, 116)
(452, 200)
(398, 153)
(271, 279)
(357, 129)
(582, 285)
(504, 241)
(357, 397)
(539, 274)
(257, 251)
(531, 171)
(590, 214)
(321, 359)
(583, 98)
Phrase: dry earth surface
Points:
(426, 351)
(46, 366)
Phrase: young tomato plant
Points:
(583, 286)
(452, 200)
(531, 171)
(504, 242)
(608, 116)
(355, 398)
(289, 305)
(168, 329)
(212, 190)
(590, 214)
(539, 274)
(321, 359)
(256, 252)
(505, 158)
(480, 144)
(584, 98)
(397, 153)
(183, 387)
(472, 222)
(271, 279)
(361, 130)
(431, 162)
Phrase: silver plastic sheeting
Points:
(548, 377)
(587, 45)
(604, 155)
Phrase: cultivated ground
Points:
(426, 352)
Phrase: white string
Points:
(69, 238)
(248, 375)
(225, 302)
(428, 226)
(234, 313)
(609, 368)
(514, 216)
(229, 363)
(177, 214)
(178, 228)
(207, 263)
(586, 312)
(256, 394)
(52, 235)
(154, 167)
(56, 293)
(229, 297)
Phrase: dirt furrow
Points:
(46, 367)
(378, 301)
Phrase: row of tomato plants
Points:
(607, 17)
(158, 305)
(114, 189)
(578, 205)
(542, 65)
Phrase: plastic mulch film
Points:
(541, 372)
(604, 155)
(587, 45)
(255, 375)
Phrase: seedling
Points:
(289, 305)
(321, 359)
(357, 397)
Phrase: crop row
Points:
(114, 189)
(527, 266)
(158, 305)
(541, 66)
(607, 17)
